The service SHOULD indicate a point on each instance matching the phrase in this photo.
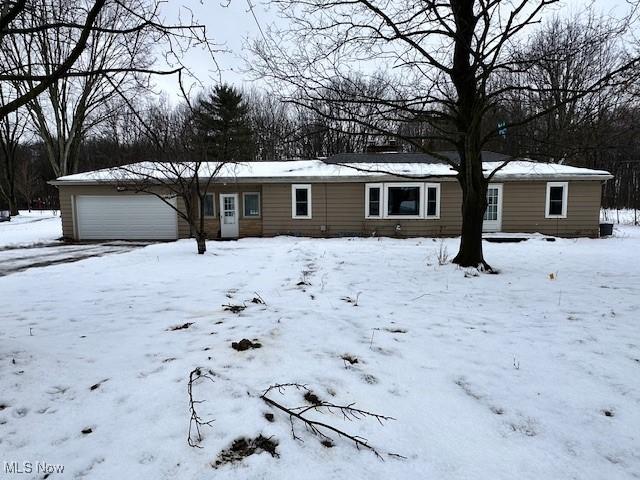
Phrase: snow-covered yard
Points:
(530, 374)
(28, 228)
(32, 240)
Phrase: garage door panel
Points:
(125, 217)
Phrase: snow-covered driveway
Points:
(530, 374)
(32, 240)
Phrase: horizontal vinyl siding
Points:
(66, 212)
(523, 209)
(340, 208)
(248, 227)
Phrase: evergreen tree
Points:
(222, 124)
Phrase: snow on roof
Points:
(317, 170)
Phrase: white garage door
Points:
(125, 217)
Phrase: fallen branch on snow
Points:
(196, 422)
(319, 429)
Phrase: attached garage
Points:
(124, 217)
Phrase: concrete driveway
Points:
(15, 259)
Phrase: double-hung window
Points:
(251, 204)
(301, 201)
(209, 205)
(432, 200)
(556, 200)
(373, 200)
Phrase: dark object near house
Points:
(505, 239)
(606, 229)
(5, 215)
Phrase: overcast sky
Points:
(230, 26)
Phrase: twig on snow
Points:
(196, 422)
(321, 429)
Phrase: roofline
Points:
(356, 179)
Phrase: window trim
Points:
(301, 186)
(421, 200)
(244, 194)
(427, 186)
(366, 200)
(213, 201)
(565, 197)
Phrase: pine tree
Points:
(222, 124)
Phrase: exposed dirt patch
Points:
(312, 398)
(184, 326)
(396, 330)
(233, 308)
(349, 359)
(245, 344)
(608, 413)
(258, 300)
(327, 443)
(244, 447)
(370, 379)
(269, 417)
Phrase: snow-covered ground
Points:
(626, 216)
(530, 374)
(37, 226)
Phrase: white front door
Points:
(493, 215)
(229, 215)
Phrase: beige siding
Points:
(338, 209)
(248, 227)
(523, 209)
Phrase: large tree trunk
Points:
(469, 114)
(201, 239)
(13, 203)
(474, 204)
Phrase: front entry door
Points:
(493, 215)
(229, 215)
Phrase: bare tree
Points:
(113, 64)
(12, 129)
(179, 173)
(28, 177)
(450, 61)
(72, 29)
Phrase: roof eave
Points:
(356, 179)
